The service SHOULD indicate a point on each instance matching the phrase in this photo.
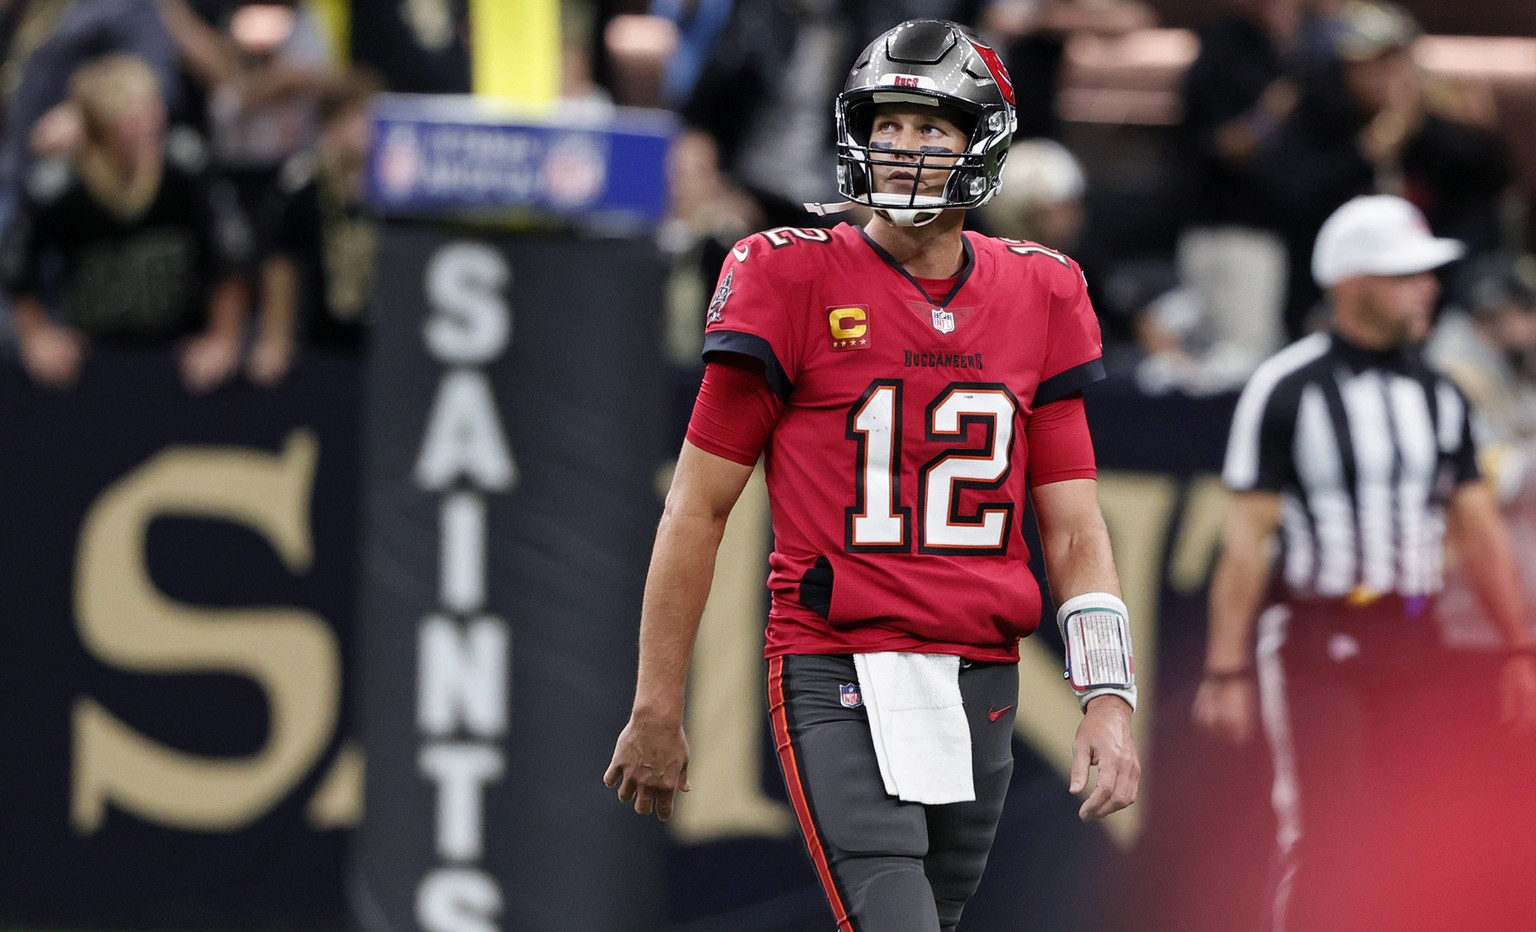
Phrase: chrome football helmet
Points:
(930, 62)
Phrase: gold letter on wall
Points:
(125, 622)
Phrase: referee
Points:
(1361, 457)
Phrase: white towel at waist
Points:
(917, 720)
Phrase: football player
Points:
(908, 384)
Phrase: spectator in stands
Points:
(1043, 201)
(1487, 344)
(1154, 330)
(1032, 37)
(147, 244)
(1178, 338)
(1042, 197)
(706, 216)
(1243, 83)
(762, 95)
(42, 43)
(1376, 123)
(317, 273)
(582, 97)
(763, 89)
(263, 67)
(698, 24)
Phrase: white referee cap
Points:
(1378, 235)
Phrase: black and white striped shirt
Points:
(1365, 449)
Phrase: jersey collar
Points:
(966, 269)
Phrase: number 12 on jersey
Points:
(879, 521)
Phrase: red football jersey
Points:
(898, 471)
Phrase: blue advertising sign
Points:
(464, 155)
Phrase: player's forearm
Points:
(676, 588)
(1078, 561)
(1078, 558)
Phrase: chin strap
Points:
(822, 210)
(907, 217)
(895, 216)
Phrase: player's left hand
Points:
(1104, 741)
(1517, 692)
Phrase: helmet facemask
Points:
(972, 172)
(926, 63)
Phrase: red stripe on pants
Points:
(794, 783)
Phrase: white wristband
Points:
(1096, 631)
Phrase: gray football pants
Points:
(887, 865)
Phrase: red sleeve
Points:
(748, 315)
(1059, 444)
(1073, 355)
(734, 413)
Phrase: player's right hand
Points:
(649, 766)
(1227, 708)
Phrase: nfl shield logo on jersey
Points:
(848, 695)
(943, 321)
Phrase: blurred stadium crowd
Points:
(1187, 169)
(181, 174)
(190, 173)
